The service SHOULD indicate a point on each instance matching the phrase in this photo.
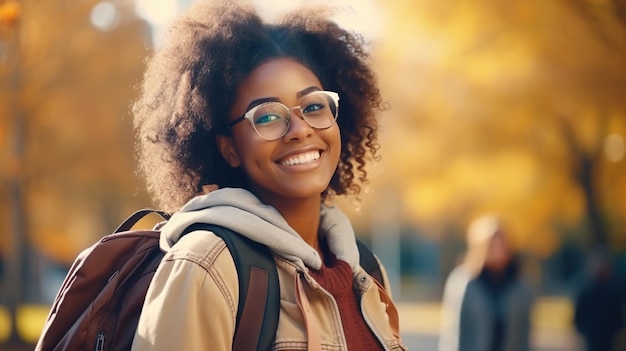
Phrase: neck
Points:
(303, 215)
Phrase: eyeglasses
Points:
(271, 120)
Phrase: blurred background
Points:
(515, 108)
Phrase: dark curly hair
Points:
(191, 80)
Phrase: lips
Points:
(302, 158)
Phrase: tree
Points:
(74, 87)
(517, 108)
(65, 89)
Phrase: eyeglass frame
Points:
(250, 114)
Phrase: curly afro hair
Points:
(191, 80)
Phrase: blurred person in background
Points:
(486, 306)
(599, 306)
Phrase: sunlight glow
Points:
(614, 147)
(158, 13)
(362, 16)
(104, 16)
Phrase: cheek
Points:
(248, 147)
(336, 144)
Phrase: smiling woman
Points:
(256, 126)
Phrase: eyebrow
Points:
(257, 102)
(299, 94)
(306, 91)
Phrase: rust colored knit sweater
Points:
(336, 277)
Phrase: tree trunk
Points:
(598, 231)
(15, 277)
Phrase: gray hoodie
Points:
(242, 212)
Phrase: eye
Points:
(313, 107)
(267, 118)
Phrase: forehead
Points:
(282, 78)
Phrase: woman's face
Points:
(498, 254)
(299, 164)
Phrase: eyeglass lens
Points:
(271, 119)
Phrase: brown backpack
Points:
(100, 300)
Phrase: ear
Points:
(226, 144)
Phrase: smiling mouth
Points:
(301, 158)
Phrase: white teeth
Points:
(302, 158)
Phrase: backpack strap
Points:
(259, 291)
(137, 216)
(368, 261)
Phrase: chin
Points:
(302, 192)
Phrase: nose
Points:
(298, 128)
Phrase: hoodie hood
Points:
(241, 211)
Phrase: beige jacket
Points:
(192, 301)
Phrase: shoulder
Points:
(197, 245)
(459, 278)
(456, 286)
(200, 247)
(197, 271)
(199, 264)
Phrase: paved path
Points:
(551, 326)
(420, 342)
(428, 342)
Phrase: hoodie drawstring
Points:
(314, 340)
